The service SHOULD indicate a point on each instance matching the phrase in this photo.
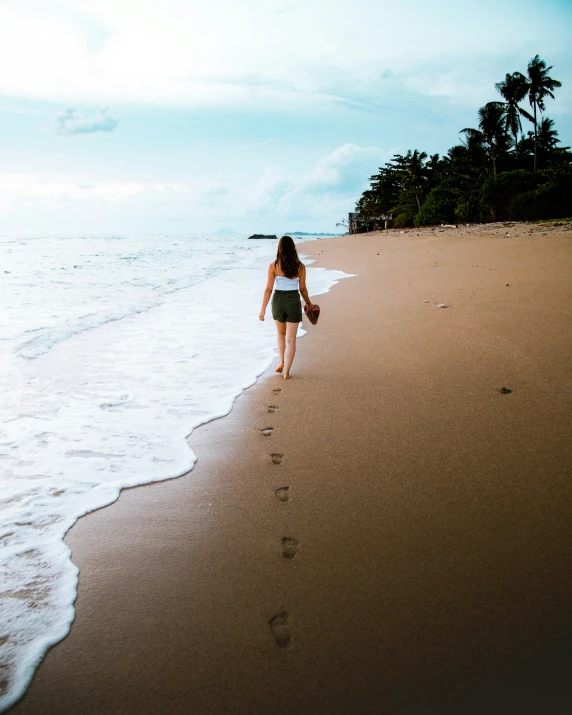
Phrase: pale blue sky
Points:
(263, 115)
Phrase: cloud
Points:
(344, 170)
(316, 198)
(321, 196)
(71, 121)
(269, 190)
(335, 182)
(18, 189)
(181, 53)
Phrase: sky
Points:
(177, 117)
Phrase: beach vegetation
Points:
(540, 86)
(498, 171)
(492, 132)
(438, 207)
(513, 89)
(500, 194)
(416, 175)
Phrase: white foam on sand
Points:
(98, 405)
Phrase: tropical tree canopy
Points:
(497, 172)
(513, 89)
(492, 129)
(415, 178)
(540, 86)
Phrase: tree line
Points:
(497, 172)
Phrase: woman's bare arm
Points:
(268, 289)
(303, 289)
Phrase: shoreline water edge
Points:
(103, 400)
(389, 531)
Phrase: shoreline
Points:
(25, 647)
(421, 556)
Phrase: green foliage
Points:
(415, 177)
(404, 215)
(513, 89)
(492, 130)
(500, 194)
(469, 211)
(552, 197)
(438, 207)
(491, 175)
(539, 85)
(385, 189)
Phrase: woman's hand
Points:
(261, 316)
(310, 306)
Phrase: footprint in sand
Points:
(289, 547)
(272, 408)
(276, 458)
(282, 494)
(277, 390)
(267, 431)
(280, 629)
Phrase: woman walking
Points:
(288, 273)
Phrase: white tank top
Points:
(283, 283)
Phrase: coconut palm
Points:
(415, 177)
(540, 86)
(513, 89)
(491, 131)
(547, 135)
(547, 140)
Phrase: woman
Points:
(289, 274)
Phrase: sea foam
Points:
(112, 351)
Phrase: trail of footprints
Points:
(279, 624)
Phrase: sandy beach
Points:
(386, 532)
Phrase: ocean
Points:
(112, 350)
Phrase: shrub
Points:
(499, 194)
(438, 207)
(404, 219)
(404, 213)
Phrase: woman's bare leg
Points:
(291, 332)
(281, 328)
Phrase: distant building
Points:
(360, 224)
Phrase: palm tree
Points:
(513, 89)
(540, 86)
(547, 135)
(491, 131)
(416, 173)
(548, 141)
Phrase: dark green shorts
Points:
(286, 306)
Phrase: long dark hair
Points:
(287, 257)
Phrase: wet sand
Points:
(386, 532)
